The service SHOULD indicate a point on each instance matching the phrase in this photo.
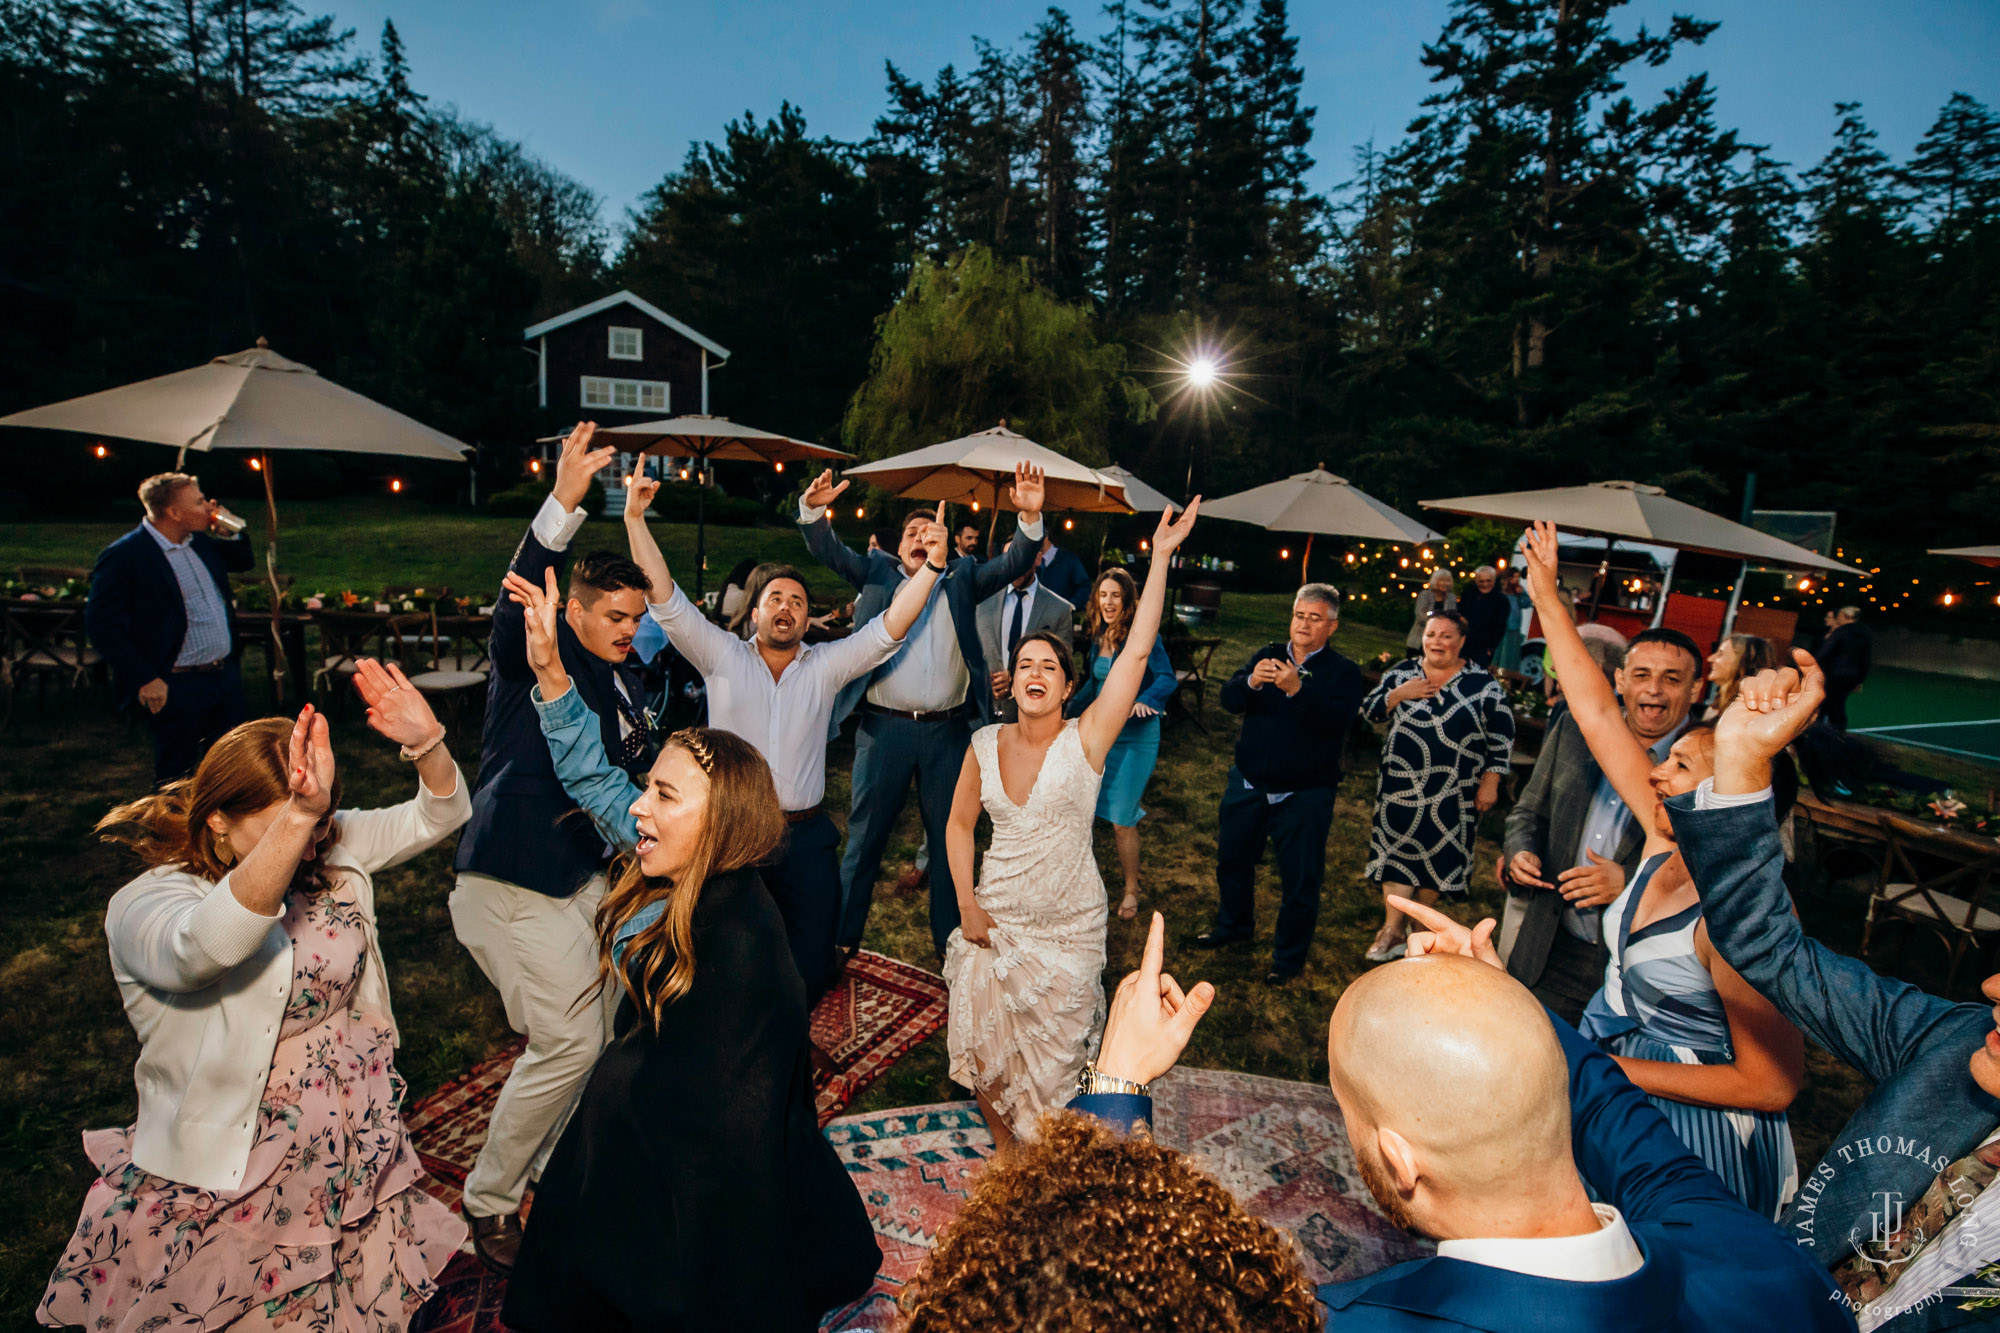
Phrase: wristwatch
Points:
(936, 569)
(1090, 1081)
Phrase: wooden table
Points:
(255, 627)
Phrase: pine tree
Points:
(1954, 175)
(1058, 117)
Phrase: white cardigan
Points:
(205, 981)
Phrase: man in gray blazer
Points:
(1023, 607)
(1571, 844)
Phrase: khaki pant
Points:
(540, 953)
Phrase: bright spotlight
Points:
(1201, 373)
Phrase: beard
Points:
(1376, 1177)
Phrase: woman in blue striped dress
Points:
(1717, 1059)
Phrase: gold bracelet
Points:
(1091, 1081)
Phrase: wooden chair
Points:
(44, 640)
(457, 665)
(1190, 659)
(345, 637)
(1936, 881)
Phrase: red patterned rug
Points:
(878, 1011)
(1278, 1145)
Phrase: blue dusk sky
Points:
(613, 91)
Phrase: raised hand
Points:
(396, 709)
(1770, 710)
(935, 540)
(309, 764)
(823, 492)
(1152, 1018)
(578, 463)
(539, 607)
(1172, 531)
(1441, 934)
(639, 492)
(1542, 555)
(1027, 493)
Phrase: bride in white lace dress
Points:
(1025, 967)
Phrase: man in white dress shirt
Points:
(777, 692)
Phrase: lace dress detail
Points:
(1025, 1013)
(328, 1231)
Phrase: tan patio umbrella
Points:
(979, 470)
(705, 439)
(1614, 509)
(1142, 499)
(1317, 502)
(254, 400)
(1978, 555)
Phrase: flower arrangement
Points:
(69, 590)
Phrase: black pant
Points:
(805, 883)
(1574, 973)
(1298, 826)
(200, 707)
(1834, 710)
(888, 752)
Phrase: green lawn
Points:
(66, 1051)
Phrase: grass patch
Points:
(66, 1051)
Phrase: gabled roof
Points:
(642, 306)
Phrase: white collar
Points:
(1026, 594)
(161, 537)
(1604, 1255)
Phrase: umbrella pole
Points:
(1735, 599)
(1305, 561)
(271, 573)
(1603, 577)
(993, 522)
(700, 522)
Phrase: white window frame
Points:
(620, 395)
(638, 352)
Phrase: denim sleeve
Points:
(1160, 684)
(1876, 1024)
(600, 787)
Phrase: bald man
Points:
(1472, 1110)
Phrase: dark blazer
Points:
(1548, 820)
(1847, 653)
(1066, 576)
(1486, 616)
(967, 581)
(692, 1188)
(1710, 1263)
(524, 827)
(135, 614)
(1913, 1045)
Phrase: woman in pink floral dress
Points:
(267, 1181)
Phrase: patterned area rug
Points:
(1278, 1145)
(880, 1009)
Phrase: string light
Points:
(534, 465)
(1069, 524)
(101, 451)
(396, 484)
(256, 465)
(780, 465)
(975, 506)
(1284, 553)
(859, 512)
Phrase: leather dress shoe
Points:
(912, 879)
(1278, 976)
(496, 1240)
(1210, 939)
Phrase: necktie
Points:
(638, 742)
(1016, 613)
(1868, 1273)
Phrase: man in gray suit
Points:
(1571, 843)
(1009, 616)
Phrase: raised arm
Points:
(990, 576)
(1106, 716)
(1592, 702)
(547, 538)
(825, 544)
(916, 589)
(692, 634)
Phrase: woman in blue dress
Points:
(1129, 766)
(1717, 1059)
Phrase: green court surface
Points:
(1954, 714)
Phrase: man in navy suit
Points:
(1903, 1207)
(1476, 1118)
(159, 613)
(1063, 574)
(530, 865)
(918, 708)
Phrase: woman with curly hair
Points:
(692, 1187)
(267, 1177)
(1083, 1228)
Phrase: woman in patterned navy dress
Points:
(1450, 737)
(1717, 1059)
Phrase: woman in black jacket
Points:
(692, 1189)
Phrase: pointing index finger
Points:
(1155, 956)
